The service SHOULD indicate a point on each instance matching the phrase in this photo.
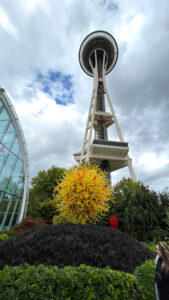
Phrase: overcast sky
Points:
(40, 71)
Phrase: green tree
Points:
(41, 193)
(47, 210)
(44, 183)
(136, 208)
(33, 205)
(163, 213)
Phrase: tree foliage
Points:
(163, 212)
(47, 210)
(137, 208)
(83, 194)
(44, 183)
(33, 205)
(41, 193)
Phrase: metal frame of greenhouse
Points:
(14, 168)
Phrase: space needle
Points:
(98, 55)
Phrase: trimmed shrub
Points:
(28, 223)
(145, 276)
(3, 237)
(36, 283)
(74, 244)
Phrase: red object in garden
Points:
(114, 222)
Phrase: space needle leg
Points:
(129, 161)
(89, 126)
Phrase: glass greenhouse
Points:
(13, 166)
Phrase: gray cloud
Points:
(39, 36)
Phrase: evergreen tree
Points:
(163, 213)
(136, 208)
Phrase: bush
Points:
(74, 244)
(36, 283)
(47, 210)
(27, 223)
(151, 247)
(59, 220)
(3, 237)
(145, 276)
(158, 234)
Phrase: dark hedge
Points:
(74, 244)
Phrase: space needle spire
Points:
(98, 55)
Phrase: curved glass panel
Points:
(13, 167)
